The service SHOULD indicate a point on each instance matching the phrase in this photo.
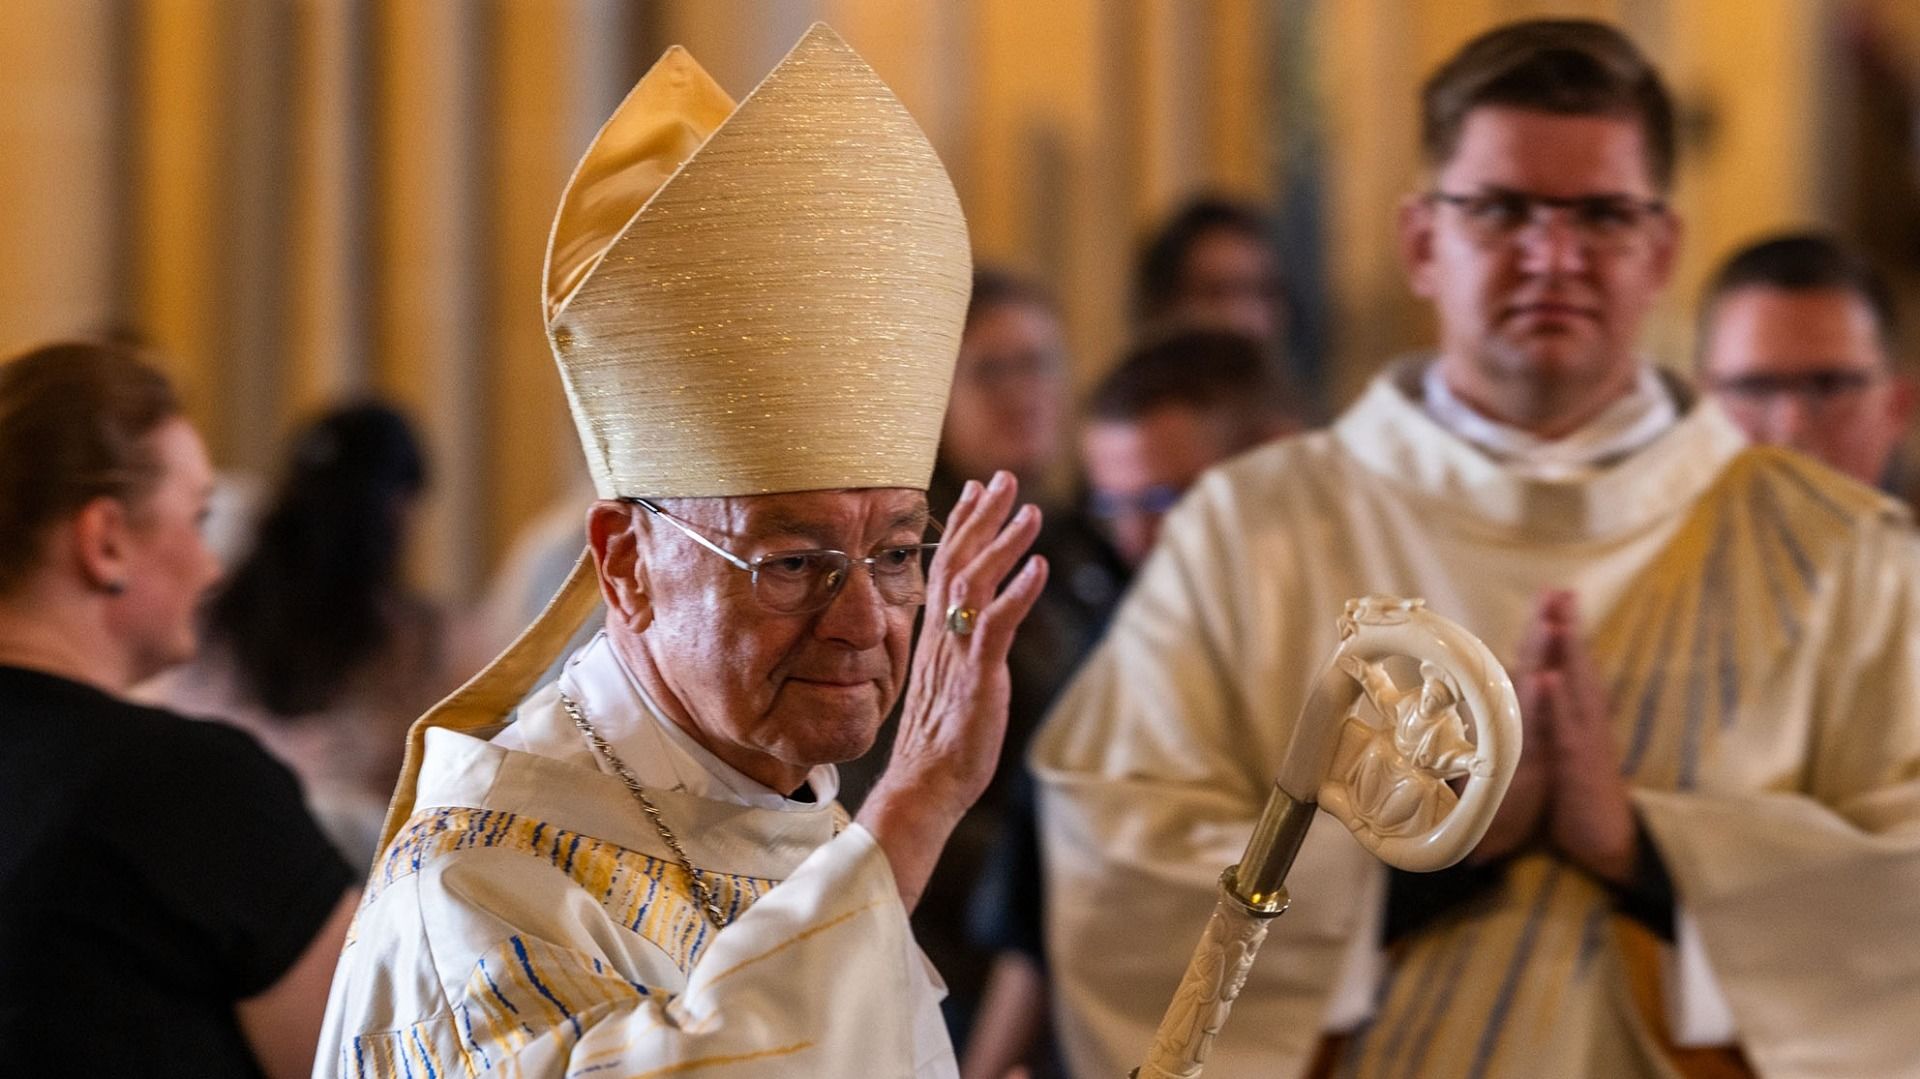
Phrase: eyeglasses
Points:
(1149, 501)
(1814, 387)
(797, 582)
(1602, 222)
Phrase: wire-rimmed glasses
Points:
(797, 582)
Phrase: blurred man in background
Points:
(1173, 409)
(1213, 263)
(1009, 411)
(1797, 341)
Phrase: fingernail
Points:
(969, 489)
(1000, 481)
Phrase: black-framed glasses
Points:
(797, 582)
(1498, 216)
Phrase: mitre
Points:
(741, 301)
(763, 298)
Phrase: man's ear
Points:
(1413, 234)
(1906, 397)
(618, 536)
(100, 537)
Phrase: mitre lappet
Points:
(741, 300)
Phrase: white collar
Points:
(660, 754)
(1629, 424)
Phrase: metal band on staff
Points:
(1380, 757)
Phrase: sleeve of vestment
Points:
(1808, 902)
(525, 973)
(1152, 770)
(215, 832)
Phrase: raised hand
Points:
(955, 716)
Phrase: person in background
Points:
(1172, 409)
(1169, 411)
(1798, 336)
(167, 907)
(1213, 263)
(1008, 410)
(315, 643)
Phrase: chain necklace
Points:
(702, 891)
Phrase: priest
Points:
(641, 868)
(1708, 862)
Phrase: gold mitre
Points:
(763, 298)
(741, 301)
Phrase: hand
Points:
(955, 716)
(1592, 818)
(1520, 820)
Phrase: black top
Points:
(154, 870)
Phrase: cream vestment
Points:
(529, 920)
(1757, 619)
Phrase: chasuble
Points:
(529, 919)
(1757, 621)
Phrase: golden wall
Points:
(300, 200)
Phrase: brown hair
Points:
(1575, 67)
(1226, 377)
(74, 421)
(996, 287)
(1802, 261)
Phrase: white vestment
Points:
(530, 921)
(1756, 619)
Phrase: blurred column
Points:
(182, 182)
(58, 176)
(1236, 97)
(328, 290)
(1164, 67)
(252, 297)
(1750, 97)
(429, 231)
(557, 69)
(1047, 187)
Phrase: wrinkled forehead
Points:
(828, 517)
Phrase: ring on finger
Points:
(960, 620)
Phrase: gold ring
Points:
(960, 620)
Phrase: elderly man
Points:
(1716, 649)
(1797, 338)
(645, 870)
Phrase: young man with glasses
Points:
(1717, 651)
(641, 868)
(1797, 343)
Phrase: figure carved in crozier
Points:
(1395, 777)
(1206, 994)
